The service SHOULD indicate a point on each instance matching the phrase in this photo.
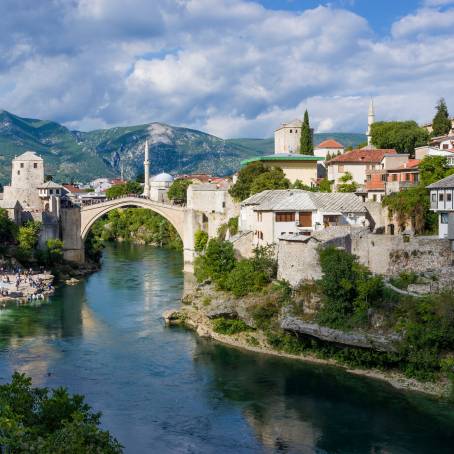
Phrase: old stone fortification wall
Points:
(392, 254)
(243, 243)
(382, 254)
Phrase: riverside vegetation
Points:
(347, 298)
(37, 420)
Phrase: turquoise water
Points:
(163, 390)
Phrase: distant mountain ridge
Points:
(83, 156)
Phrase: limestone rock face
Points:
(363, 340)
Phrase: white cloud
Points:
(230, 67)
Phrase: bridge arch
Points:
(91, 213)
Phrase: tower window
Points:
(21, 165)
(35, 165)
(18, 172)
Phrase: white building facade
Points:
(274, 213)
(441, 202)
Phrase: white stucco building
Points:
(287, 137)
(441, 202)
(274, 213)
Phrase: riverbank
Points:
(23, 287)
(199, 313)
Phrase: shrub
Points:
(200, 240)
(233, 225)
(348, 289)
(227, 326)
(244, 279)
(130, 187)
(404, 279)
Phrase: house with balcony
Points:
(441, 202)
(274, 213)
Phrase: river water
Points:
(164, 390)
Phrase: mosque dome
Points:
(162, 178)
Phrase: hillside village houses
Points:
(442, 202)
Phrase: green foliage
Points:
(256, 177)
(348, 288)
(306, 144)
(228, 326)
(244, 279)
(441, 124)
(8, 230)
(273, 178)
(178, 191)
(119, 190)
(428, 327)
(347, 184)
(136, 224)
(54, 251)
(433, 168)
(404, 279)
(411, 207)
(218, 260)
(324, 185)
(28, 235)
(403, 136)
(233, 225)
(200, 240)
(36, 420)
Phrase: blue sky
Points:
(233, 68)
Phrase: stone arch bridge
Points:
(77, 222)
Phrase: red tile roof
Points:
(329, 143)
(410, 164)
(72, 188)
(359, 156)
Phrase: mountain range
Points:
(83, 156)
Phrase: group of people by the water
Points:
(12, 278)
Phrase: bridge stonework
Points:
(77, 221)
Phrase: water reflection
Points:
(296, 407)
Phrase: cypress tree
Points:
(306, 145)
(441, 123)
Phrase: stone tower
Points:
(370, 122)
(27, 171)
(146, 168)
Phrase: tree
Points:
(433, 168)
(8, 230)
(256, 177)
(217, 262)
(347, 184)
(178, 191)
(28, 235)
(403, 136)
(273, 178)
(119, 190)
(36, 420)
(441, 124)
(241, 190)
(306, 145)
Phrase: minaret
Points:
(370, 122)
(146, 168)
